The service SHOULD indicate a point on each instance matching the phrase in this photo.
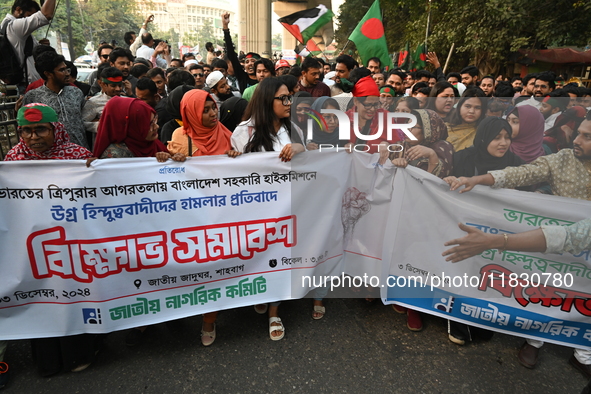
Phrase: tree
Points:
(485, 32)
(276, 40)
(205, 33)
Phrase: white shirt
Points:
(243, 134)
(17, 33)
(145, 52)
(550, 120)
(530, 101)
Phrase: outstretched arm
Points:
(230, 51)
(477, 242)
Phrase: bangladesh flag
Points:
(404, 59)
(419, 58)
(369, 37)
(304, 24)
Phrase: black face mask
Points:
(224, 97)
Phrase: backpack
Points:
(11, 71)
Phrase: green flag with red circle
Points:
(369, 37)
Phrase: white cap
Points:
(328, 82)
(189, 62)
(330, 75)
(213, 78)
(461, 88)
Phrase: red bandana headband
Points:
(113, 80)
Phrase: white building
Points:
(187, 16)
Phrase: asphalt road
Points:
(356, 348)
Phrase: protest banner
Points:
(128, 243)
(533, 295)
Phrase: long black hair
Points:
(455, 119)
(260, 110)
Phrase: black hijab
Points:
(319, 134)
(173, 104)
(476, 160)
(231, 112)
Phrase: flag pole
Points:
(453, 44)
(428, 22)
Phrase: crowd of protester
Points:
(531, 132)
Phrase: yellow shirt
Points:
(461, 136)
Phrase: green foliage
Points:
(485, 32)
(276, 40)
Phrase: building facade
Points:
(188, 16)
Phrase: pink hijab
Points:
(528, 143)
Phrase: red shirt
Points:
(318, 90)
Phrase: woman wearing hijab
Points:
(202, 134)
(432, 153)
(325, 129)
(129, 128)
(173, 107)
(491, 151)
(231, 112)
(42, 137)
(303, 102)
(325, 132)
(464, 119)
(527, 135)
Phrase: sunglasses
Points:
(372, 105)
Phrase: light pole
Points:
(177, 32)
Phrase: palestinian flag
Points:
(310, 49)
(304, 24)
(369, 37)
(313, 47)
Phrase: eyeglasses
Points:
(105, 56)
(64, 70)
(372, 105)
(39, 131)
(285, 100)
(301, 110)
(198, 75)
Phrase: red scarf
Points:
(127, 120)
